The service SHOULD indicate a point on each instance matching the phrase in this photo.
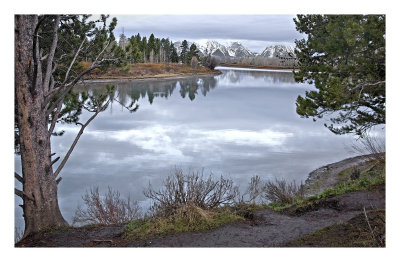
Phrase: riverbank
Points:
(148, 71)
(341, 212)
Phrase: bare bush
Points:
(254, 191)
(107, 209)
(191, 189)
(194, 62)
(211, 62)
(374, 146)
(282, 191)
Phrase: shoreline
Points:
(328, 176)
(108, 79)
(151, 78)
(258, 67)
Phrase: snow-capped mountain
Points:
(278, 51)
(214, 48)
(237, 50)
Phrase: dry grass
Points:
(187, 218)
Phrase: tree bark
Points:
(41, 209)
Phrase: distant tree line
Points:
(138, 49)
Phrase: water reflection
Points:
(233, 75)
(239, 124)
(134, 90)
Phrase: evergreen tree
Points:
(174, 55)
(44, 97)
(184, 51)
(344, 57)
(157, 49)
(144, 49)
(151, 45)
(193, 52)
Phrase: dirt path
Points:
(267, 229)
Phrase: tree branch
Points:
(78, 136)
(67, 87)
(54, 119)
(18, 177)
(22, 194)
(55, 160)
(51, 54)
(73, 61)
(98, 56)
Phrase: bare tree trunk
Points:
(41, 209)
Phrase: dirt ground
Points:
(267, 229)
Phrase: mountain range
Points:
(237, 50)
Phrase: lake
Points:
(238, 124)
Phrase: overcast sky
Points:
(253, 31)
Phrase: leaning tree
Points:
(49, 50)
(344, 57)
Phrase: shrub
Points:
(107, 209)
(191, 189)
(374, 146)
(254, 191)
(211, 62)
(282, 191)
(126, 69)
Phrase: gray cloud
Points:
(256, 31)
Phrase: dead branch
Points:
(55, 160)
(18, 177)
(78, 136)
(73, 61)
(22, 194)
(102, 51)
(54, 119)
(66, 90)
(52, 51)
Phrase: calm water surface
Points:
(240, 124)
